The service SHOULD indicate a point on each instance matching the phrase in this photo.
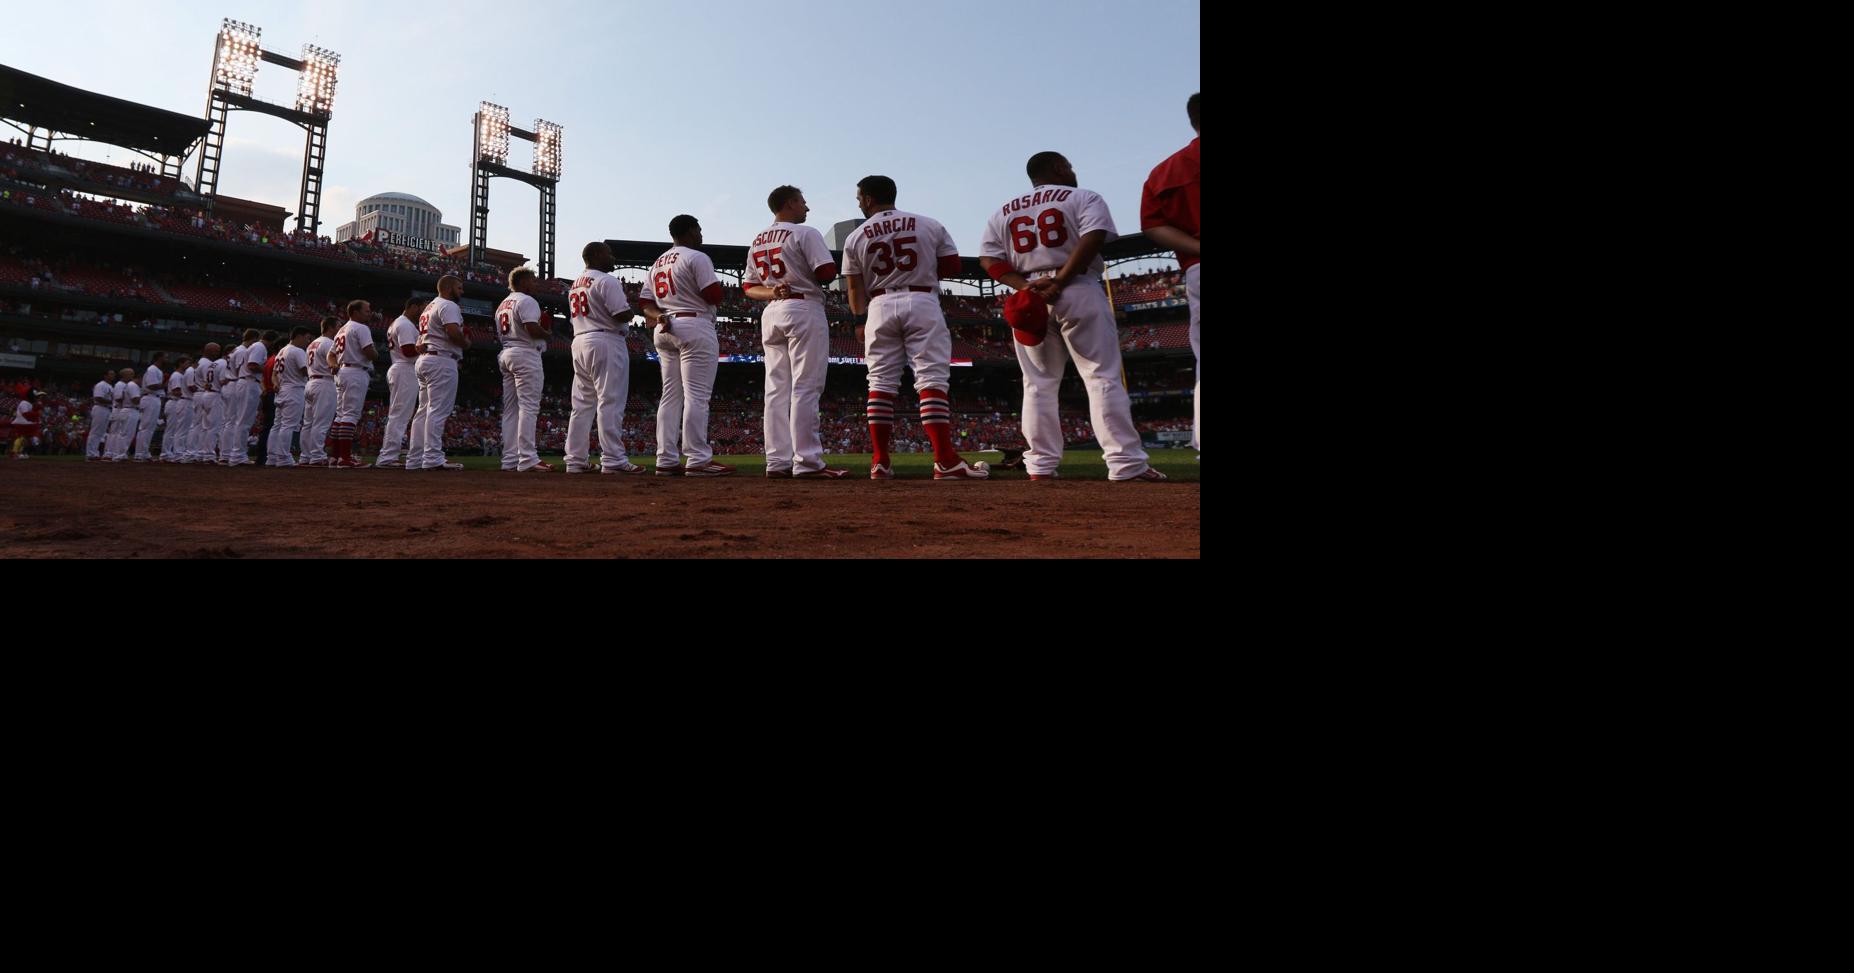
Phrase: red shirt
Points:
(1174, 197)
(271, 384)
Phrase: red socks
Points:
(937, 420)
(340, 446)
(882, 425)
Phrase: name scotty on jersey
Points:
(772, 236)
(1038, 199)
(876, 228)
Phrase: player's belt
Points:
(683, 317)
(358, 368)
(904, 290)
(431, 352)
(582, 334)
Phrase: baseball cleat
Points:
(826, 474)
(778, 474)
(712, 471)
(447, 467)
(1045, 479)
(348, 464)
(628, 469)
(538, 468)
(1150, 476)
(397, 464)
(881, 473)
(669, 471)
(964, 471)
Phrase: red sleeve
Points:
(714, 294)
(826, 274)
(951, 266)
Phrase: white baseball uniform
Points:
(318, 401)
(898, 254)
(437, 383)
(1036, 233)
(179, 419)
(682, 281)
(602, 317)
(100, 418)
(291, 378)
(796, 336)
(154, 394)
(356, 374)
(522, 377)
(234, 442)
(208, 404)
(128, 416)
(402, 389)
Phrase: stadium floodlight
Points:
(240, 50)
(548, 137)
(316, 93)
(492, 134)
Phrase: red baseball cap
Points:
(1028, 315)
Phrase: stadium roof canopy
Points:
(46, 104)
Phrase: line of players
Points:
(1046, 245)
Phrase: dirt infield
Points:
(74, 510)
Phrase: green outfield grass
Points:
(1077, 464)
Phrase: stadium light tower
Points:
(235, 61)
(489, 159)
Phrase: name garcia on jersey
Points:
(876, 228)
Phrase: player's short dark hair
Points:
(270, 337)
(329, 324)
(300, 332)
(518, 275)
(591, 253)
(882, 189)
(158, 356)
(354, 309)
(415, 303)
(1043, 165)
(251, 334)
(683, 226)
(783, 196)
(1191, 108)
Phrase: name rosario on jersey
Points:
(1034, 200)
(875, 228)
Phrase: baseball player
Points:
(402, 384)
(441, 345)
(102, 399)
(125, 417)
(208, 405)
(1171, 214)
(179, 425)
(789, 265)
(686, 293)
(290, 375)
(154, 396)
(319, 396)
(25, 424)
(524, 332)
(233, 394)
(1048, 242)
(267, 401)
(355, 353)
(250, 391)
(892, 266)
(601, 316)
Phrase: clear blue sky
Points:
(670, 107)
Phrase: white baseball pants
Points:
(522, 377)
(122, 433)
(908, 329)
(178, 438)
(601, 388)
(689, 354)
(402, 389)
(207, 407)
(289, 419)
(96, 444)
(1194, 292)
(437, 397)
(150, 421)
(796, 335)
(1081, 326)
(318, 416)
(235, 428)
